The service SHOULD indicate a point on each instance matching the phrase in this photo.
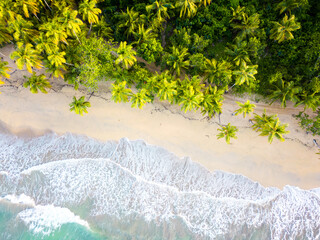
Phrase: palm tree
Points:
(79, 105)
(283, 31)
(55, 32)
(7, 10)
(218, 73)
(205, 2)
(248, 25)
(227, 132)
(238, 14)
(187, 7)
(89, 11)
(311, 101)
(177, 60)
(28, 6)
(125, 55)
(120, 93)
(289, 5)
(191, 99)
(261, 121)
(285, 91)
(245, 108)
(167, 90)
(57, 59)
(4, 33)
(161, 8)
(26, 55)
(70, 21)
(4, 71)
(245, 74)
(212, 101)
(102, 28)
(43, 44)
(143, 35)
(56, 71)
(274, 129)
(238, 53)
(37, 83)
(140, 99)
(130, 20)
(22, 30)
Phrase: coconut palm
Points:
(37, 83)
(143, 35)
(79, 105)
(130, 20)
(289, 5)
(212, 101)
(70, 22)
(102, 28)
(4, 69)
(245, 74)
(7, 10)
(167, 89)
(55, 32)
(283, 31)
(57, 59)
(161, 8)
(238, 53)
(190, 99)
(140, 99)
(28, 6)
(120, 93)
(4, 33)
(43, 44)
(238, 14)
(89, 11)
(285, 91)
(22, 30)
(227, 132)
(56, 71)
(177, 60)
(27, 55)
(259, 122)
(187, 7)
(248, 25)
(205, 2)
(218, 73)
(311, 101)
(274, 129)
(125, 55)
(245, 108)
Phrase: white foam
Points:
(21, 199)
(132, 178)
(45, 219)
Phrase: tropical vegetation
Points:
(202, 48)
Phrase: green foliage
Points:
(227, 132)
(140, 99)
(245, 108)
(310, 124)
(37, 83)
(4, 69)
(120, 93)
(125, 55)
(150, 50)
(269, 126)
(79, 106)
(283, 31)
(177, 60)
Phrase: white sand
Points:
(292, 162)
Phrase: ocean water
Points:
(75, 187)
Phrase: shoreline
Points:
(292, 162)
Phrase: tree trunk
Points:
(89, 29)
(163, 34)
(76, 36)
(48, 5)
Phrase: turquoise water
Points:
(74, 187)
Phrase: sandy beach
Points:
(293, 162)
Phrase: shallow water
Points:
(74, 187)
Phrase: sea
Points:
(74, 187)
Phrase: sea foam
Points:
(132, 179)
